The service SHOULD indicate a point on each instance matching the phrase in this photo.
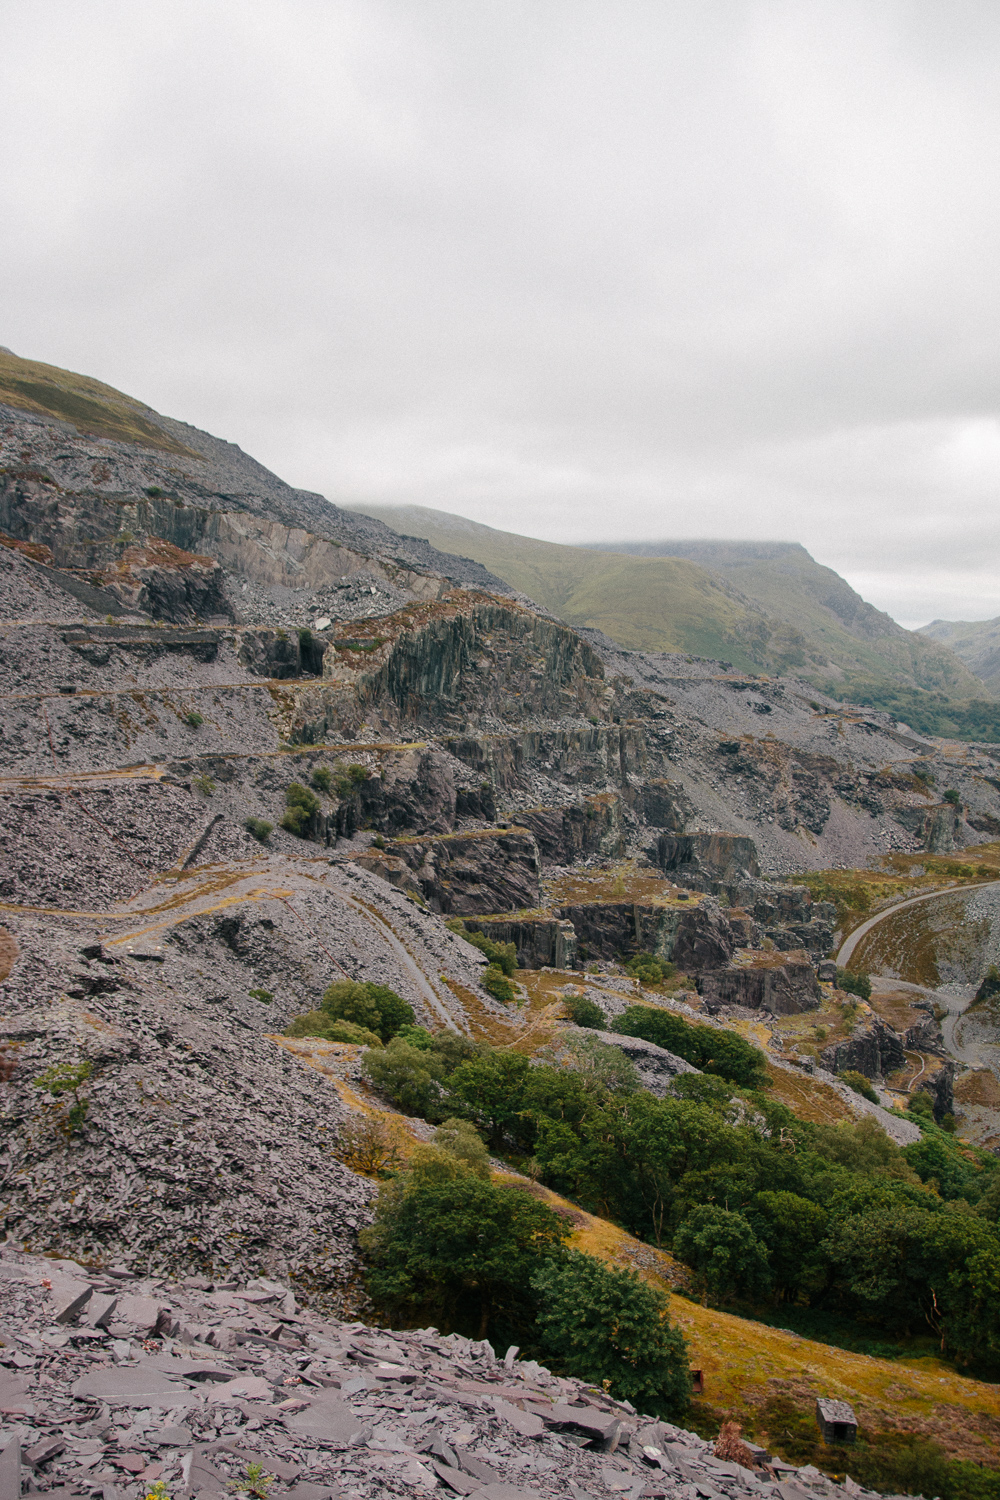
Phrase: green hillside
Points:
(765, 606)
(975, 642)
(645, 604)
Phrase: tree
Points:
(459, 1253)
(373, 1006)
(708, 1047)
(491, 1087)
(410, 1078)
(585, 1012)
(602, 1325)
(792, 1229)
(723, 1251)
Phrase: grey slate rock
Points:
(130, 1385)
(10, 1471)
(461, 1484)
(326, 1420)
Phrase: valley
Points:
(256, 747)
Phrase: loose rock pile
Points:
(112, 1383)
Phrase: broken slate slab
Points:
(306, 1491)
(326, 1420)
(10, 1471)
(14, 1399)
(461, 1484)
(171, 1437)
(130, 1385)
(523, 1422)
(142, 1313)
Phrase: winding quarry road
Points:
(950, 1000)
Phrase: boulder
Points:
(873, 1048)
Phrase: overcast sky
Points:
(660, 268)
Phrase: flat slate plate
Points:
(329, 1421)
(131, 1385)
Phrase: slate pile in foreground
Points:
(112, 1383)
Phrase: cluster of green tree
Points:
(650, 969)
(366, 1014)
(706, 1047)
(763, 1207)
(854, 984)
(450, 1247)
(927, 712)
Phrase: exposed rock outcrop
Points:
(462, 874)
(762, 981)
(873, 1048)
(540, 942)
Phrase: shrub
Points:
(68, 1078)
(921, 1104)
(495, 982)
(502, 956)
(607, 1327)
(260, 830)
(854, 984)
(585, 1012)
(322, 778)
(318, 1023)
(203, 784)
(859, 1083)
(416, 1036)
(194, 718)
(346, 779)
(649, 969)
(368, 1144)
(373, 1006)
(953, 797)
(990, 985)
(302, 807)
(264, 996)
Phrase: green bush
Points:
(495, 982)
(373, 1006)
(585, 1012)
(416, 1036)
(263, 996)
(347, 1031)
(194, 718)
(649, 969)
(920, 1103)
(607, 1327)
(854, 984)
(260, 830)
(953, 797)
(322, 778)
(346, 779)
(302, 808)
(859, 1083)
(706, 1047)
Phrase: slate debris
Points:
(240, 1373)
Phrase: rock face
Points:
(707, 861)
(540, 942)
(462, 874)
(694, 936)
(758, 982)
(873, 1049)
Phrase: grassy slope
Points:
(646, 604)
(813, 623)
(976, 642)
(91, 406)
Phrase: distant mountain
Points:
(976, 642)
(765, 606)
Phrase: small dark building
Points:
(836, 1420)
